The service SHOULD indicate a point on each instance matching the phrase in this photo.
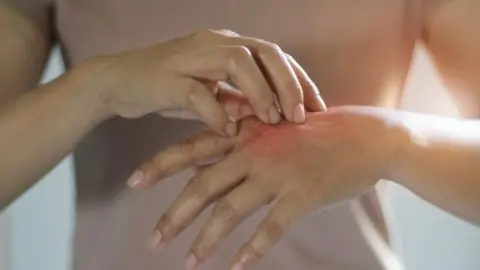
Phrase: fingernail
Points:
(321, 103)
(299, 114)
(231, 128)
(237, 266)
(136, 178)
(155, 239)
(191, 262)
(273, 115)
(264, 118)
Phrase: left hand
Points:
(334, 156)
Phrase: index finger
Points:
(281, 75)
(188, 152)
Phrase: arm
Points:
(444, 169)
(388, 53)
(38, 128)
(441, 163)
(25, 45)
(334, 157)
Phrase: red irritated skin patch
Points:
(287, 138)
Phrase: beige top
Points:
(351, 48)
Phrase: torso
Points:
(349, 48)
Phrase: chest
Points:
(305, 27)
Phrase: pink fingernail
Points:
(273, 115)
(264, 118)
(136, 178)
(299, 114)
(191, 262)
(231, 129)
(155, 239)
(237, 266)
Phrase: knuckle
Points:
(203, 34)
(225, 210)
(227, 33)
(274, 229)
(201, 251)
(267, 47)
(238, 55)
(238, 59)
(165, 224)
(251, 254)
(199, 191)
(273, 47)
(289, 57)
(206, 34)
(192, 93)
(187, 146)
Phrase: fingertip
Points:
(263, 117)
(191, 262)
(299, 114)
(155, 239)
(231, 128)
(321, 103)
(136, 179)
(274, 115)
(237, 266)
(244, 260)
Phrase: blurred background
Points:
(36, 231)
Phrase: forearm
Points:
(38, 129)
(441, 162)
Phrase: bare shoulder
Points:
(450, 32)
(25, 43)
(33, 11)
(451, 27)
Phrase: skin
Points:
(175, 77)
(48, 146)
(365, 96)
(418, 151)
(336, 156)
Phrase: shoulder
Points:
(34, 12)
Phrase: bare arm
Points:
(442, 163)
(25, 46)
(40, 126)
(335, 156)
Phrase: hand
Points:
(334, 156)
(184, 74)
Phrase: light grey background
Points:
(36, 231)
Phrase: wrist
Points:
(404, 144)
(89, 90)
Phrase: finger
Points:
(312, 99)
(196, 97)
(237, 64)
(179, 114)
(282, 77)
(228, 213)
(234, 102)
(199, 192)
(186, 153)
(269, 232)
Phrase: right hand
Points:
(185, 74)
